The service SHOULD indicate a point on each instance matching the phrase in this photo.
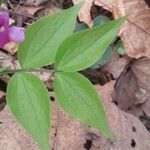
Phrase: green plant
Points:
(51, 41)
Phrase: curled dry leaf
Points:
(84, 14)
(105, 4)
(136, 32)
(11, 47)
(133, 87)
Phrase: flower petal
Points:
(4, 38)
(4, 20)
(16, 34)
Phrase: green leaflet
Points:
(83, 49)
(76, 95)
(45, 36)
(28, 99)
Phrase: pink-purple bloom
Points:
(7, 33)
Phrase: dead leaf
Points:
(105, 4)
(30, 10)
(136, 32)
(142, 112)
(72, 135)
(133, 87)
(2, 94)
(126, 87)
(8, 61)
(45, 11)
(35, 2)
(141, 70)
(116, 66)
(12, 136)
(84, 14)
(136, 35)
(2, 102)
(11, 47)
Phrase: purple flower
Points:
(7, 33)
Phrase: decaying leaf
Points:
(133, 87)
(116, 66)
(126, 88)
(8, 61)
(127, 129)
(2, 94)
(84, 14)
(11, 47)
(141, 70)
(30, 10)
(12, 136)
(105, 4)
(35, 2)
(136, 32)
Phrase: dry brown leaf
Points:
(11, 47)
(48, 10)
(2, 94)
(2, 103)
(35, 2)
(128, 130)
(30, 10)
(141, 70)
(70, 134)
(12, 136)
(136, 32)
(84, 14)
(142, 112)
(136, 35)
(106, 4)
(10, 62)
(126, 87)
(133, 87)
(116, 66)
